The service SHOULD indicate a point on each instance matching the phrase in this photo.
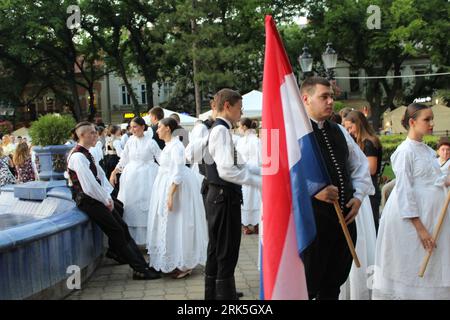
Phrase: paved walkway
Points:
(112, 281)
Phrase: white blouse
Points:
(414, 165)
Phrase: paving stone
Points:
(133, 294)
(111, 296)
(113, 281)
(175, 297)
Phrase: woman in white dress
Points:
(356, 287)
(177, 230)
(249, 148)
(409, 217)
(138, 172)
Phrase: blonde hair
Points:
(1, 152)
(6, 140)
(21, 154)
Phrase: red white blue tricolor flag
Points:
(288, 218)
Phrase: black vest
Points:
(201, 165)
(334, 149)
(211, 169)
(74, 183)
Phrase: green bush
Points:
(391, 142)
(338, 106)
(51, 129)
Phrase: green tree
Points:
(409, 28)
(225, 39)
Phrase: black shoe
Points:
(210, 287)
(147, 274)
(239, 294)
(226, 289)
(112, 255)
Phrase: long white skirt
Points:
(358, 286)
(177, 238)
(136, 183)
(251, 208)
(399, 251)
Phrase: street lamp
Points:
(329, 58)
(306, 61)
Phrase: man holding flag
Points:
(299, 220)
(328, 259)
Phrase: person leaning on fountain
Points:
(93, 198)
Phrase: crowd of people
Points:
(186, 199)
(16, 165)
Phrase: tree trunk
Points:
(91, 103)
(149, 89)
(373, 95)
(198, 103)
(77, 111)
(130, 90)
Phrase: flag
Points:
(288, 218)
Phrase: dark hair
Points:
(171, 123)
(158, 112)
(336, 118)
(309, 85)
(141, 122)
(412, 112)
(176, 117)
(345, 111)
(113, 129)
(248, 123)
(225, 95)
(99, 129)
(79, 125)
(443, 141)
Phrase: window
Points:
(419, 80)
(167, 90)
(144, 94)
(125, 96)
(354, 83)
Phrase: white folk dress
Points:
(249, 148)
(419, 192)
(357, 286)
(136, 183)
(176, 238)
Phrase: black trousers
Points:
(223, 214)
(111, 161)
(327, 260)
(112, 224)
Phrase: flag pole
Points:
(436, 233)
(350, 244)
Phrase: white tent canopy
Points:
(22, 132)
(392, 120)
(251, 104)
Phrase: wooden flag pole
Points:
(436, 232)
(350, 244)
